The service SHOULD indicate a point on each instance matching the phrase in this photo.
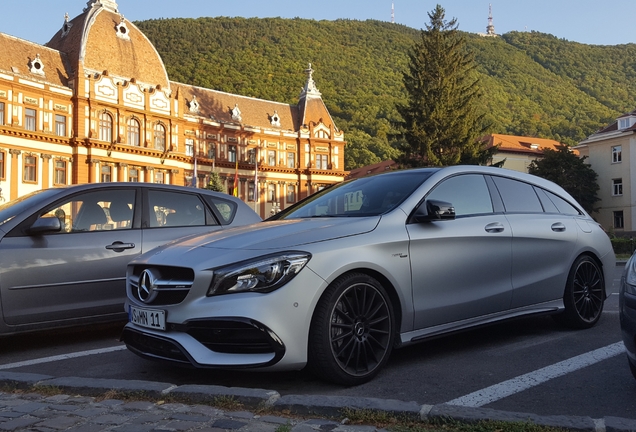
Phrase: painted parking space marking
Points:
(523, 382)
(62, 357)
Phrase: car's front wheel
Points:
(584, 294)
(352, 330)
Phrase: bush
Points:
(623, 245)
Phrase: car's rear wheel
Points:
(584, 294)
(352, 330)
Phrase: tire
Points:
(584, 294)
(352, 331)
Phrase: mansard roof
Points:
(220, 106)
(101, 39)
(19, 57)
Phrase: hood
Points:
(282, 234)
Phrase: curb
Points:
(308, 405)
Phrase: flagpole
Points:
(235, 192)
(256, 180)
(194, 177)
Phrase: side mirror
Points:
(434, 210)
(45, 225)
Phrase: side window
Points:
(562, 205)
(225, 209)
(546, 202)
(173, 209)
(468, 194)
(95, 211)
(517, 196)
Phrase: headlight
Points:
(630, 276)
(263, 274)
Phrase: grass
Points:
(398, 424)
(378, 419)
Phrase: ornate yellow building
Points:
(95, 104)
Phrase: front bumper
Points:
(243, 330)
(223, 336)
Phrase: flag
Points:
(235, 192)
(194, 176)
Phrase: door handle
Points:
(558, 227)
(494, 227)
(120, 246)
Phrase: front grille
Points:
(171, 285)
(234, 336)
(153, 347)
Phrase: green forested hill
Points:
(534, 83)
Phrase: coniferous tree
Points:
(569, 171)
(215, 183)
(443, 117)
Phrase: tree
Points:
(214, 183)
(569, 171)
(443, 117)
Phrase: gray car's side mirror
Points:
(434, 210)
(44, 225)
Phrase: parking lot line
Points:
(523, 382)
(62, 357)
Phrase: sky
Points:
(595, 22)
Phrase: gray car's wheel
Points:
(584, 294)
(352, 330)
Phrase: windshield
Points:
(368, 196)
(9, 210)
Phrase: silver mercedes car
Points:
(337, 281)
(64, 251)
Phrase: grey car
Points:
(64, 251)
(343, 277)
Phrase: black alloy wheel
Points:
(352, 331)
(584, 294)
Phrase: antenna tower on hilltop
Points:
(490, 28)
(392, 13)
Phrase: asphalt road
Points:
(531, 365)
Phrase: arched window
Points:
(105, 127)
(133, 132)
(160, 137)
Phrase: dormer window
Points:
(122, 29)
(36, 66)
(626, 122)
(66, 27)
(534, 146)
(194, 105)
(236, 114)
(275, 120)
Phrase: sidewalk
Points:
(84, 405)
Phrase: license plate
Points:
(149, 318)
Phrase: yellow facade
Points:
(95, 104)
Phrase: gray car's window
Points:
(173, 209)
(226, 209)
(548, 205)
(517, 196)
(95, 211)
(563, 206)
(467, 193)
(14, 207)
(367, 196)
